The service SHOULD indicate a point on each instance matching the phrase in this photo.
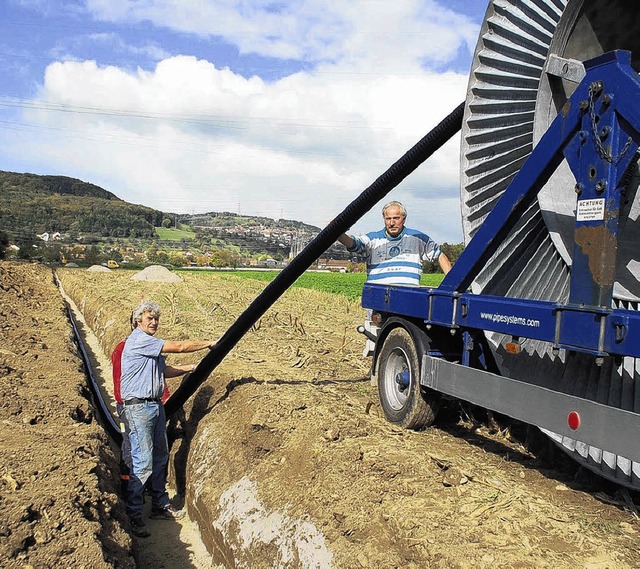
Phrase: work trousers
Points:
(149, 455)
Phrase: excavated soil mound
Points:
(283, 456)
(58, 475)
(98, 269)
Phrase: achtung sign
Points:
(590, 210)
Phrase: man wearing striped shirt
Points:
(396, 253)
(394, 256)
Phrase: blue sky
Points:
(278, 108)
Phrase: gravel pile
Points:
(157, 274)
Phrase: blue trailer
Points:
(450, 340)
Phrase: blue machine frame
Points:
(598, 132)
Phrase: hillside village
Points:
(62, 220)
(192, 242)
(58, 219)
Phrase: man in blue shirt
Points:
(142, 384)
(394, 255)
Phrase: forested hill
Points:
(31, 204)
(34, 184)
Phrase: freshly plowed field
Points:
(283, 455)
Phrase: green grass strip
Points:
(346, 284)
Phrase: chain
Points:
(604, 153)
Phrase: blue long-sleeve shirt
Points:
(142, 366)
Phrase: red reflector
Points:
(513, 347)
(573, 420)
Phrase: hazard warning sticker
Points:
(590, 210)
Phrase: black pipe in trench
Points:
(108, 420)
(353, 212)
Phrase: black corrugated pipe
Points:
(108, 421)
(104, 413)
(354, 211)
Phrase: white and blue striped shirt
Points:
(396, 260)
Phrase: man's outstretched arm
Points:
(346, 240)
(444, 263)
(186, 346)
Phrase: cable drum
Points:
(528, 60)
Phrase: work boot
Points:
(138, 528)
(167, 513)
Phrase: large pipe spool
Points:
(528, 60)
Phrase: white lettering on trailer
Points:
(510, 319)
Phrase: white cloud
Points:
(359, 34)
(269, 147)
(70, 45)
(188, 136)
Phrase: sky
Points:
(285, 109)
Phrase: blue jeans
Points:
(149, 455)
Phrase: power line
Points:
(229, 121)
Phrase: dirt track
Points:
(286, 459)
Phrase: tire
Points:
(407, 403)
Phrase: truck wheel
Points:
(404, 401)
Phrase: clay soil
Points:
(282, 458)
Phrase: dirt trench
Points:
(283, 458)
